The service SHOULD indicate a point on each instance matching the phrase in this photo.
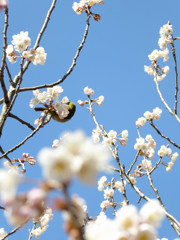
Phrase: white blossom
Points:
(9, 180)
(140, 122)
(100, 100)
(33, 102)
(147, 164)
(75, 156)
(152, 213)
(88, 91)
(108, 193)
(3, 233)
(101, 183)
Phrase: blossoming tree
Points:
(76, 156)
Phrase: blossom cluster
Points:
(109, 187)
(83, 5)
(57, 108)
(166, 151)
(111, 137)
(128, 224)
(75, 155)
(158, 72)
(21, 43)
(149, 116)
(89, 91)
(42, 222)
(146, 146)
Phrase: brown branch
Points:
(2, 151)
(9, 75)
(156, 165)
(176, 75)
(165, 104)
(4, 56)
(45, 23)
(70, 68)
(28, 137)
(121, 176)
(167, 138)
(21, 121)
(135, 160)
(159, 199)
(14, 230)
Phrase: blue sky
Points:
(112, 63)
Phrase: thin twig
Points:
(14, 230)
(21, 121)
(45, 23)
(176, 75)
(159, 199)
(156, 165)
(2, 151)
(9, 75)
(162, 135)
(28, 137)
(135, 160)
(115, 152)
(30, 234)
(70, 68)
(4, 56)
(166, 105)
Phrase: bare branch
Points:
(176, 75)
(167, 138)
(28, 137)
(9, 75)
(135, 160)
(21, 121)
(166, 105)
(2, 151)
(45, 23)
(14, 230)
(159, 199)
(4, 56)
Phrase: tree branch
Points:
(167, 138)
(70, 68)
(4, 56)
(176, 75)
(166, 105)
(28, 137)
(21, 121)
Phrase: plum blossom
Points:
(128, 224)
(76, 156)
(20, 43)
(88, 91)
(9, 181)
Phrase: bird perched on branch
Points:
(53, 113)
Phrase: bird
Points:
(55, 117)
